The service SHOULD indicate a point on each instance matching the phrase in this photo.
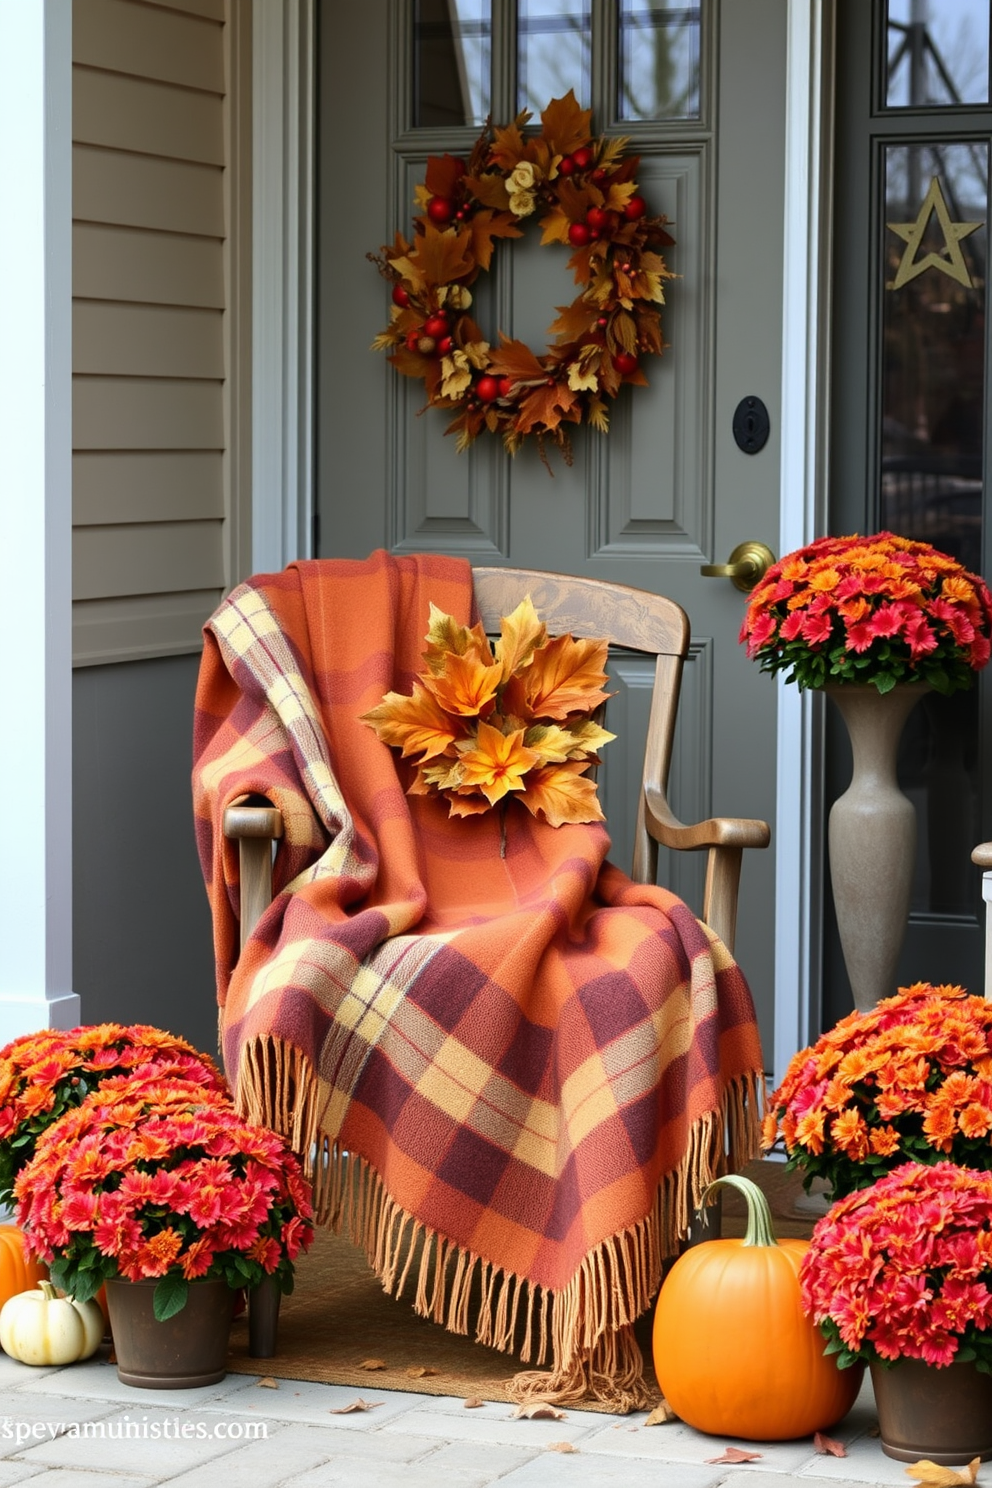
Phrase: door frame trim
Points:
(806, 283)
(283, 306)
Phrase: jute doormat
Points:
(338, 1318)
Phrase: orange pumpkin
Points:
(18, 1272)
(733, 1351)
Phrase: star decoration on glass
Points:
(912, 235)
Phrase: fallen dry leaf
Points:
(371, 1364)
(268, 1383)
(735, 1454)
(540, 1410)
(421, 1371)
(561, 1447)
(356, 1405)
(934, 1476)
(661, 1414)
(473, 1402)
(827, 1446)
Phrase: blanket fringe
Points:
(586, 1327)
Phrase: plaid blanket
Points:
(510, 1075)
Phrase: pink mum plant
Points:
(903, 1270)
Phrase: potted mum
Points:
(875, 622)
(909, 1081)
(45, 1074)
(160, 1190)
(899, 1275)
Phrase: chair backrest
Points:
(631, 620)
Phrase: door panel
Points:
(667, 490)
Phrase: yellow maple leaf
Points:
(582, 379)
(564, 125)
(561, 793)
(466, 685)
(935, 1476)
(456, 374)
(587, 738)
(416, 724)
(520, 633)
(445, 635)
(551, 742)
(495, 763)
(597, 416)
(554, 226)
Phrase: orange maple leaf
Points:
(440, 257)
(485, 226)
(465, 686)
(520, 634)
(565, 125)
(416, 725)
(564, 677)
(515, 359)
(490, 190)
(443, 174)
(495, 763)
(508, 146)
(561, 793)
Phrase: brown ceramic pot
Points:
(944, 1415)
(183, 1353)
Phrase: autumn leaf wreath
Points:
(587, 191)
(487, 724)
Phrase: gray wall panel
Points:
(141, 925)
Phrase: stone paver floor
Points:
(79, 1427)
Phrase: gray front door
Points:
(910, 405)
(700, 93)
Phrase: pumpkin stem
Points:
(759, 1219)
(51, 1294)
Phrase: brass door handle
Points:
(748, 564)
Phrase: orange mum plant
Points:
(909, 1081)
(161, 1179)
(878, 610)
(45, 1074)
(485, 724)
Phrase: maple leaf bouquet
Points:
(45, 1074)
(878, 610)
(903, 1270)
(909, 1080)
(162, 1179)
(486, 724)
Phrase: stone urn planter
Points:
(944, 1415)
(184, 1352)
(872, 839)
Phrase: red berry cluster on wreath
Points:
(586, 191)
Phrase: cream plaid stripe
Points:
(249, 633)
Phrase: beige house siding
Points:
(161, 297)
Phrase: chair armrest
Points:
(718, 831)
(254, 825)
(725, 837)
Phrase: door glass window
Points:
(933, 401)
(554, 52)
(659, 60)
(452, 60)
(938, 53)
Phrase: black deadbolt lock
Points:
(751, 425)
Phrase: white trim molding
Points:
(283, 130)
(805, 365)
(36, 515)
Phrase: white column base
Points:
(20, 1015)
(987, 896)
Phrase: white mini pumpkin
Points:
(40, 1327)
